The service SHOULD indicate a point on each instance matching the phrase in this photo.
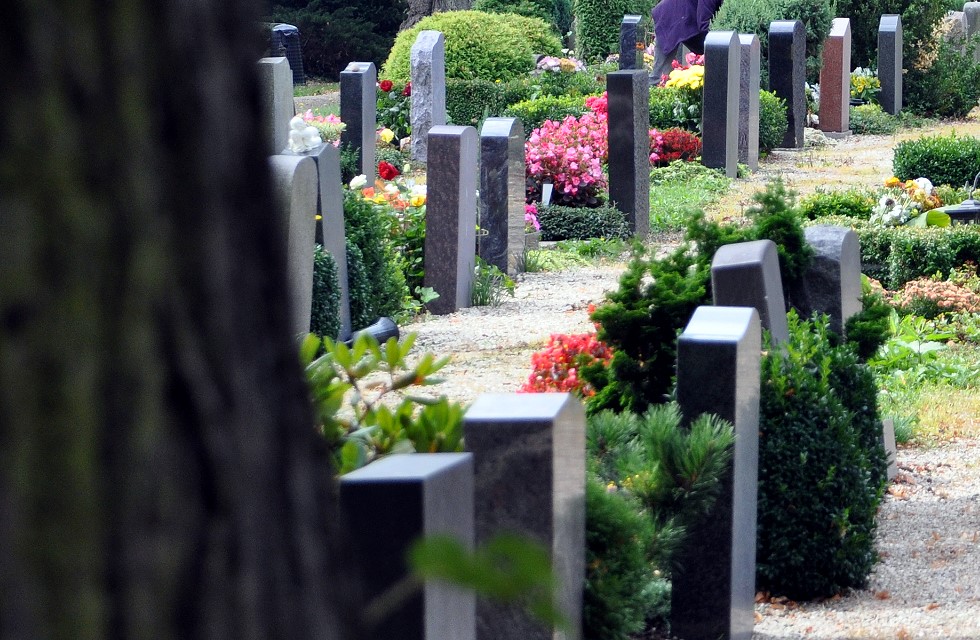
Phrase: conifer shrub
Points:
(581, 223)
(819, 484)
(597, 27)
(489, 46)
(325, 316)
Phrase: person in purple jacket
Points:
(678, 22)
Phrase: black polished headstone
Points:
(832, 282)
(629, 146)
(628, 37)
(787, 75)
(719, 112)
(502, 181)
(359, 111)
(529, 453)
(748, 100)
(718, 372)
(387, 506)
(890, 60)
(428, 72)
(450, 228)
(746, 274)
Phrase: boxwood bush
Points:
(534, 112)
(853, 203)
(580, 223)
(376, 283)
(944, 159)
(662, 100)
(467, 101)
(325, 316)
(772, 121)
(489, 46)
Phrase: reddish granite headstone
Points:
(835, 80)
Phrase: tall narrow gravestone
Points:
(746, 274)
(955, 28)
(387, 506)
(629, 57)
(450, 229)
(294, 181)
(719, 115)
(428, 70)
(359, 111)
(502, 179)
(529, 457)
(972, 12)
(629, 146)
(890, 62)
(277, 98)
(832, 283)
(748, 100)
(835, 80)
(787, 75)
(718, 369)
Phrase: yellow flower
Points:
(417, 201)
(892, 182)
(386, 135)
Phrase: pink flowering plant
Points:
(329, 126)
(531, 218)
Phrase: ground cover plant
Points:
(680, 189)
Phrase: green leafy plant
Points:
(490, 284)
(773, 122)
(394, 108)
(533, 112)
(355, 389)
(546, 10)
(325, 315)
(579, 223)
(943, 159)
(943, 84)
(597, 27)
(871, 119)
(681, 188)
(853, 203)
(469, 101)
(919, 20)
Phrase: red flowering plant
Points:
(388, 171)
(394, 107)
(556, 368)
(678, 144)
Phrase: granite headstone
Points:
(787, 75)
(835, 80)
(277, 99)
(359, 111)
(719, 114)
(746, 274)
(428, 71)
(832, 282)
(629, 32)
(890, 62)
(502, 181)
(748, 100)
(629, 146)
(972, 12)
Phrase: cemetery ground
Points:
(925, 585)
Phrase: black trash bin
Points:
(287, 37)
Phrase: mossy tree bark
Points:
(159, 475)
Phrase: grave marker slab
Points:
(277, 99)
(629, 146)
(890, 62)
(719, 114)
(529, 454)
(629, 56)
(972, 12)
(832, 283)
(891, 449)
(955, 29)
(450, 238)
(746, 274)
(389, 504)
(787, 75)
(294, 183)
(835, 80)
(502, 180)
(748, 100)
(359, 111)
(428, 70)
(718, 369)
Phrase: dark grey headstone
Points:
(277, 99)
(450, 212)
(746, 274)
(330, 228)
(629, 146)
(719, 113)
(890, 62)
(972, 12)
(428, 70)
(748, 100)
(388, 505)
(359, 111)
(502, 180)
(832, 283)
(891, 449)
(628, 37)
(718, 371)
(294, 183)
(787, 75)
(529, 452)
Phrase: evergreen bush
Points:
(468, 102)
(872, 119)
(581, 223)
(853, 203)
(546, 10)
(488, 46)
(662, 101)
(919, 20)
(534, 112)
(944, 159)
(379, 289)
(325, 316)
(949, 87)
(773, 122)
(597, 27)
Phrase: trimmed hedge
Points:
(579, 223)
(952, 159)
(467, 101)
(533, 113)
(597, 27)
(773, 122)
(853, 203)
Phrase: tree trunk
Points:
(418, 9)
(159, 473)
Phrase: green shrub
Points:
(948, 88)
(919, 18)
(871, 119)
(597, 27)
(325, 316)
(773, 122)
(468, 102)
(755, 16)
(853, 203)
(391, 155)
(662, 101)
(577, 84)
(951, 159)
(580, 223)
(489, 46)
(818, 492)
(379, 289)
(533, 113)
(545, 10)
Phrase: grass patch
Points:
(315, 87)
(537, 260)
(680, 188)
